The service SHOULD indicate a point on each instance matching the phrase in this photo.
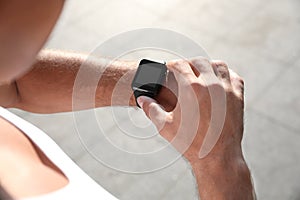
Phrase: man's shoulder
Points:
(12, 139)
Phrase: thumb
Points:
(153, 111)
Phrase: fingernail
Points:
(140, 101)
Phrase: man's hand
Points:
(206, 126)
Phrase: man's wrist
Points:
(223, 177)
(223, 173)
(224, 180)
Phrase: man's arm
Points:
(48, 87)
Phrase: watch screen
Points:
(149, 73)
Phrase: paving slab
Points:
(272, 30)
(272, 155)
(282, 100)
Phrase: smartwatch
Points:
(149, 78)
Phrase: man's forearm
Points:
(48, 87)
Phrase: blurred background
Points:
(258, 39)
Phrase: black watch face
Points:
(149, 76)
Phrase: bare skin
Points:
(44, 83)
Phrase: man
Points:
(43, 83)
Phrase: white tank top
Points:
(80, 185)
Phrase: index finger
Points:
(206, 71)
(181, 70)
(202, 64)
